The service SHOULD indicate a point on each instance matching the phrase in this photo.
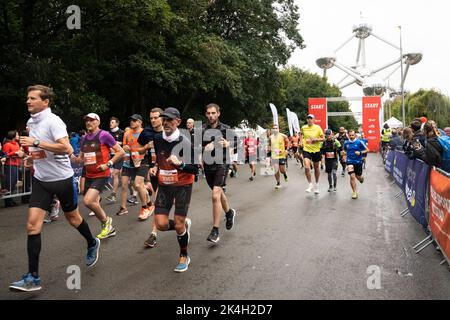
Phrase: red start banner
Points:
(318, 107)
(371, 107)
(440, 210)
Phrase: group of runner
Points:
(160, 164)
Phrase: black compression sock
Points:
(34, 250)
(83, 228)
(183, 242)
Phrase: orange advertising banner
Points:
(318, 107)
(440, 210)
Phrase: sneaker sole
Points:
(113, 234)
(185, 269)
(210, 240)
(24, 289)
(147, 245)
(142, 219)
(96, 259)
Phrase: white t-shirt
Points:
(48, 127)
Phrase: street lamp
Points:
(401, 79)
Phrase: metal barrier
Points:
(16, 180)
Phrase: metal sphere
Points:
(373, 86)
(362, 31)
(325, 62)
(412, 58)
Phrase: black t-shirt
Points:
(223, 128)
(148, 135)
(118, 135)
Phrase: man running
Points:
(366, 142)
(312, 138)
(355, 149)
(216, 172)
(251, 144)
(53, 175)
(330, 149)
(175, 179)
(135, 167)
(295, 142)
(342, 136)
(95, 149)
(279, 143)
(117, 133)
(146, 144)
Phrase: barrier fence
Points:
(15, 178)
(427, 194)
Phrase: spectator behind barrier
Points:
(396, 142)
(407, 144)
(433, 149)
(447, 131)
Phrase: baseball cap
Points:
(328, 132)
(310, 116)
(136, 117)
(92, 116)
(171, 113)
(423, 119)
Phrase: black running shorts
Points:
(313, 156)
(216, 176)
(141, 171)
(167, 195)
(95, 183)
(43, 193)
(357, 169)
(330, 165)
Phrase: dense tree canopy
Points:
(132, 55)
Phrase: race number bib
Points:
(137, 158)
(37, 154)
(329, 155)
(168, 176)
(90, 158)
(350, 168)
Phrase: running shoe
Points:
(151, 241)
(343, 173)
(229, 218)
(354, 195)
(27, 283)
(145, 213)
(183, 264)
(122, 211)
(278, 186)
(251, 178)
(213, 236)
(310, 188)
(112, 198)
(151, 208)
(286, 178)
(92, 254)
(316, 190)
(133, 200)
(330, 189)
(362, 180)
(334, 189)
(107, 230)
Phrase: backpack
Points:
(445, 143)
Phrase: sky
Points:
(425, 27)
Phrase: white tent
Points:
(394, 123)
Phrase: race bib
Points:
(37, 154)
(329, 155)
(251, 149)
(350, 168)
(90, 158)
(137, 158)
(168, 176)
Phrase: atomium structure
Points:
(359, 73)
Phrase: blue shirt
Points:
(351, 147)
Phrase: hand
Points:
(103, 167)
(20, 153)
(209, 147)
(174, 160)
(358, 153)
(126, 148)
(224, 143)
(149, 145)
(27, 141)
(153, 171)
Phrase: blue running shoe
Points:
(183, 265)
(27, 283)
(92, 254)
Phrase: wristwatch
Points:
(110, 164)
(36, 142)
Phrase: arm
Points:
(62, 145)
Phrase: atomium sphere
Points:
(412, 58)
(325, 62)
(373, 86)
(362, 31)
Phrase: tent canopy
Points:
(394, 123)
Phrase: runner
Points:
(53, 175)
(366, 142)
(95, 149)
(117, 133)
(216, 172)
(355, 149)
(251, 144)
(312, 137)
(278, 143)
(135, 166)
(330, 150)
(342, 137)
(146, 144)
(175, 180)
(295, 141)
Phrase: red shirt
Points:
(10, 148)
(251, 146)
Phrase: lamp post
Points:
(401, 79)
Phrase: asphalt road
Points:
(286, 244)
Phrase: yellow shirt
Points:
(277, 146)
(313, 132)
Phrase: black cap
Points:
(136, 117)
(328, 132)
(171, 113)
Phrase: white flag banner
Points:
(296, 124)
(274, 113)
(289, 119)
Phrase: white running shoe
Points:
(310, 188)
(316, 190)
